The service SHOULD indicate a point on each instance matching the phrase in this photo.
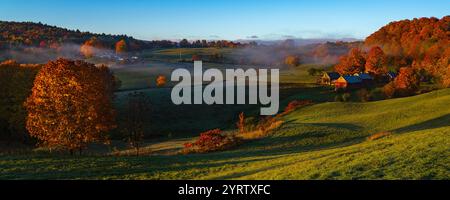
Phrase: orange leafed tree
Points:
(292, 60)
(389, 90)
(71, 105)
(121, 46)
(407, 81)
(376, 61)
(352, 63)
(161, 80)
(89, 47)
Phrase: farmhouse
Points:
(348, 82)
(329, 78)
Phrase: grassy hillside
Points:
(324, 141)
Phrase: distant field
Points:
(177, 54)
(189, 120)
(323, 141)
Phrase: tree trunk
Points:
(137, 150)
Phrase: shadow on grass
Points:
(280, 145)
(269, 148)
(439, 122)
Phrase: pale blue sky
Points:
(223, 19)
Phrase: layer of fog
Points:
(24, 54)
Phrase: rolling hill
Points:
(19, 34)
(323, 141)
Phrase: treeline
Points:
(29, 34)
(16, 81)
(184, 43)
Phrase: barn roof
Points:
(333, 75)
(365, 76)
(352, 79)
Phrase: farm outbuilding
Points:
(329, 78)
(348, 82)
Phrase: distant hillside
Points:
(29, 34)
(422, 43)
(330, 52)
(412, 38)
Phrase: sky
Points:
(223, 19)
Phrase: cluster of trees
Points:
(422, 44)
(16, 81)
(374, 62)
(357, 61)
(419, 50)
(66, 105)
(406, 83)
(29, 34)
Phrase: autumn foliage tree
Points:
(389, 90)
(71, 105)
(16, 81)
(161, 81)
(352, 63)
(121, 46)
(407, 81)
(292, 61)
(376, 61)
(89, 48)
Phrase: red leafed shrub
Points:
(296, 104)
(209, 141)
(377, 136)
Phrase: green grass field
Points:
(323, 141)
(176, 54)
